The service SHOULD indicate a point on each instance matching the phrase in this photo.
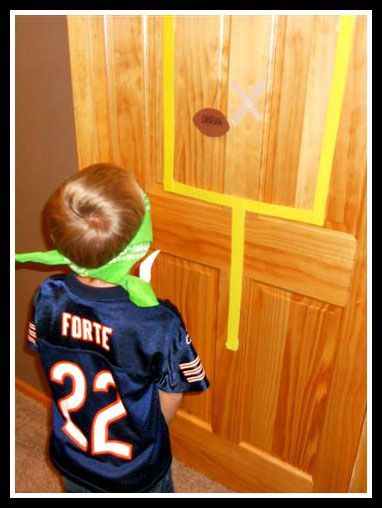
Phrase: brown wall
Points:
(45, 154)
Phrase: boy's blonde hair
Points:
(93, 215)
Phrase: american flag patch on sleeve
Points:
(193, 371)
(32, 335)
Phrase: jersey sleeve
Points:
(180, 368)
(32, 337)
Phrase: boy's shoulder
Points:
(171, 310)
(164, 316)
(52, 279)
(165, 311)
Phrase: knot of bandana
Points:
(116, 270)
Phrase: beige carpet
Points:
(34, 472)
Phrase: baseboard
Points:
(32, 392)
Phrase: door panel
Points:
(309, 260)
(303, 71)
(251, 37)
(305, 380)
(285, 411)
(201, 67)
(175, 279)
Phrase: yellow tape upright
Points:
(236, 276)
(337, 91)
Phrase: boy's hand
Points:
(169, 402)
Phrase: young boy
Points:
(116, 358)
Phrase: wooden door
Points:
(262, 230)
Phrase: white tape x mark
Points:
(247, 102)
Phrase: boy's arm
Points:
(32, 337)
(177, 369)
(169, 403)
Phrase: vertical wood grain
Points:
(265, 325)
(287, 113)
(249, 57)
(272, 101)
(154, 100)
(309, 350)
(349, 163)
(201, 59)
(125, 74)
(89, 85)
(320, 73)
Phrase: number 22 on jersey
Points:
(100, 444)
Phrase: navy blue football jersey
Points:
(105, 359)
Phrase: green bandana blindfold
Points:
(116, 270)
